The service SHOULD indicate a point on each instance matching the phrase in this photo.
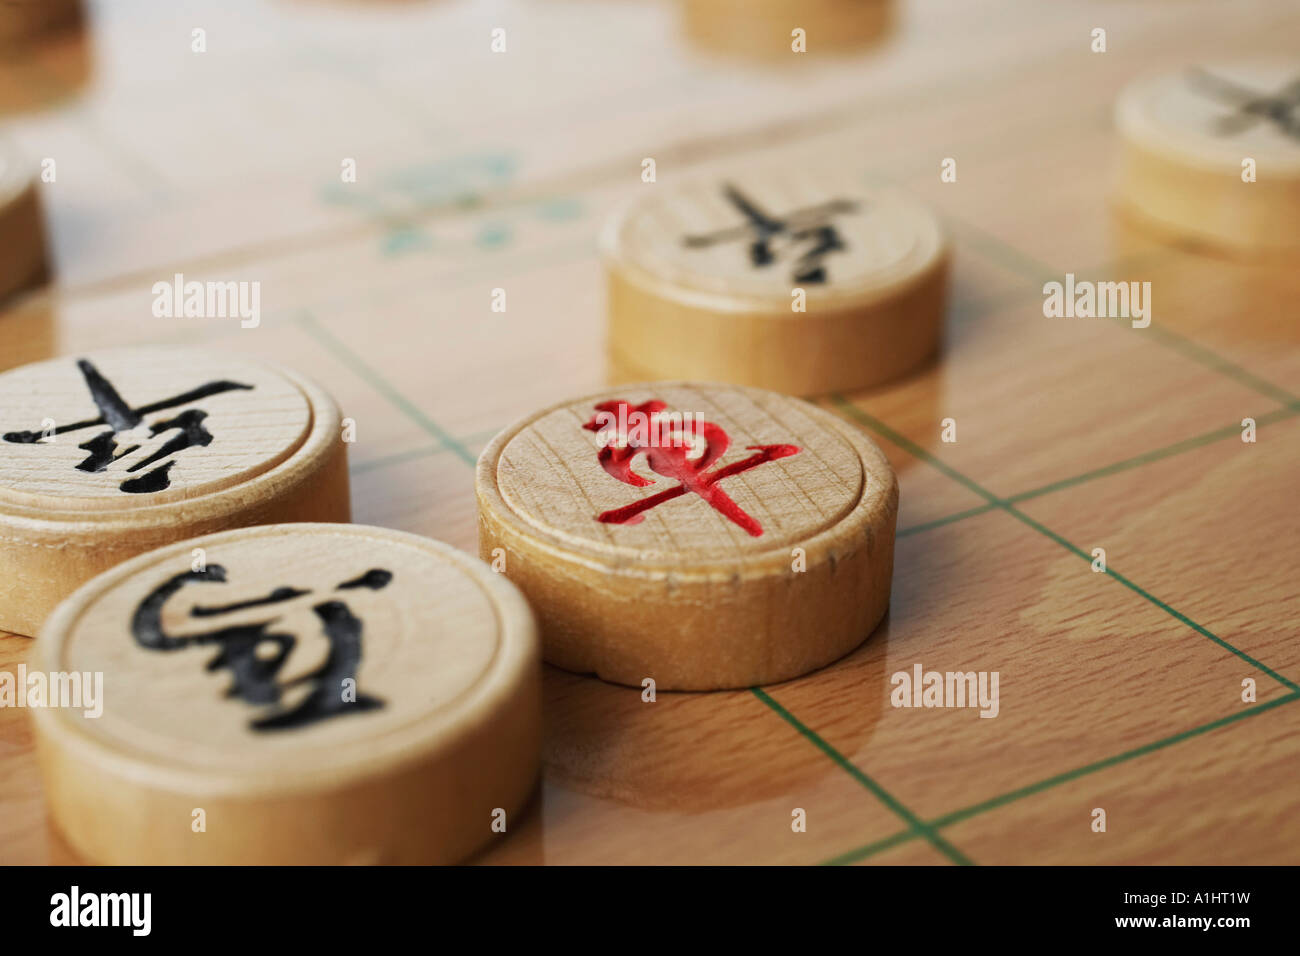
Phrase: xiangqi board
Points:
(109, 454)
(308, 693)
(1111, 431)
(698, 536)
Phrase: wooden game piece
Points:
(702, 536)
(764, 29)
(22, 232)
(1192, 139)
(107, 455)
(23, 20)
(797, 280)
(323, 693)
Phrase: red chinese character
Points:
(681, 447)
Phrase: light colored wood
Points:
(22, 230)
(1186, 135)
(705, 277)
(405, 712)
(402, 335)
(778, 567)
(762, 29)
(263, 446)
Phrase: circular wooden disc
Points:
(1186, 136)
(104, 456)
(324, 693)
(703, 279)
(22, 233)
(746, 541)
(254, 419)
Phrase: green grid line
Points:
(372, 378)
(398, 458)
(902, 441)
(1168, 451)
(1141, 592)
(415, 454)
(984, 806)
(1212, 360)
(871, 849)
(1002, 253)
(1009, 257)
(940, 522)
(1177, 448)
(916, 827)
(1189, 444)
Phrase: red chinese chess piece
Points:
(680, 447)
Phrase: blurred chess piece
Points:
(44, 53)
(26, 334)
(771, 29)
(23, 262)
(44, 60)
(1210, 156)
(22, 20)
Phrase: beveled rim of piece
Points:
(322, 429)
(418, 740)
(927, 255)
(873, 497)
(1178, 146)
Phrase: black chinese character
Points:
(255, 671)
(121, 417)
(810, 225)
(1251, 106)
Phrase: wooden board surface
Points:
(478, 171)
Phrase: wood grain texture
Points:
(772, 570)
(262, 446)
(703, 278)
(382, 295)
(1186, 136)
(403, 711)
